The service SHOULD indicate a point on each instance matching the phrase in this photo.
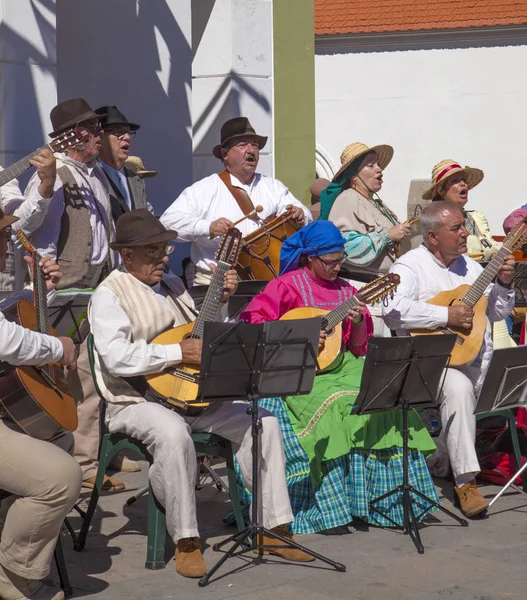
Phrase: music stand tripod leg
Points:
(254, 529)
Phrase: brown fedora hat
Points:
(234, 128)
(6, 220)
(140, 228)
(69, 113)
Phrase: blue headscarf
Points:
(319, 237)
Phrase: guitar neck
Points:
(212, 299)
(18, 167)
(335, 316)
(41, 296)
(477, 289)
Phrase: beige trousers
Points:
(87, 433)
(46, 482)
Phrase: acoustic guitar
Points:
(36, 398)
(178, 385)
(469, 341)
(332, 320)
(68, 139)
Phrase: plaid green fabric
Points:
(347, 485)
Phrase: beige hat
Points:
(444, 169)
(135, 164)
(353, 151)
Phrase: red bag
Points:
(498, 468)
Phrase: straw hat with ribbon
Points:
(6, 220)
(351, 158)
(444, 169)
(358, 149)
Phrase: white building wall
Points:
(232, 72)
(467, 104)
(27, 75)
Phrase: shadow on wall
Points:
(25, 128)
(140, 60)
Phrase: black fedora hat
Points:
(111, 115)
(234, 128)
(140, 228)
(69, 113)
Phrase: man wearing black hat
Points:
(208, 208)
(76, 231)
(127, 189)
(128, 310)
(41, 476)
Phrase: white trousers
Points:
(457, 402)
(166, 434)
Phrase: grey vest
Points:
(75, 239)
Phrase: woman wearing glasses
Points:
(336, 462)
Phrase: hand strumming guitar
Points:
(191, 350)
(322, 340)
(51, 270)
(460, 315)
(69, 353)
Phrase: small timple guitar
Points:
(36, 398)
(332, 320)
(68, 139)
(469, 341)
(178, 385)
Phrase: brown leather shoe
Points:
(189, 560)
(109, 484)
(469, 500)
(286, 552)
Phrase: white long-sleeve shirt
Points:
(21, 346)
(422, 278)
(209, 199)
(94, 188)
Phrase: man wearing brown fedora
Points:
(127, 189)
(129, 309)
(76, 231)
(206, 209)
(441, 264)
(43, 479)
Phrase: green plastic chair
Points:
(206, 444)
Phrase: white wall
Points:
(232, 73)
(27, 75)
(466, 104)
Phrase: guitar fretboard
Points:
(18, 167)
(488, 274)
(335, 316)
(208, 309)
(41, 300)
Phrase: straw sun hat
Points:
(353, 151)
(444, 169)
(135, 164)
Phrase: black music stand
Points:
(505, 387)
(67, 313)
(405, 372)
(249, 362)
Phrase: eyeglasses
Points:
(120, 132)
(331, 264)
(158, 253)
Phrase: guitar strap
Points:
(241, 196)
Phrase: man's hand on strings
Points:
(191, 350)
(506, 273)
(50, 268)
(322, 340)
(230, 283)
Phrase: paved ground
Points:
(485, 561)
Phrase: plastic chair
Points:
(206, 444)
(58, 555)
